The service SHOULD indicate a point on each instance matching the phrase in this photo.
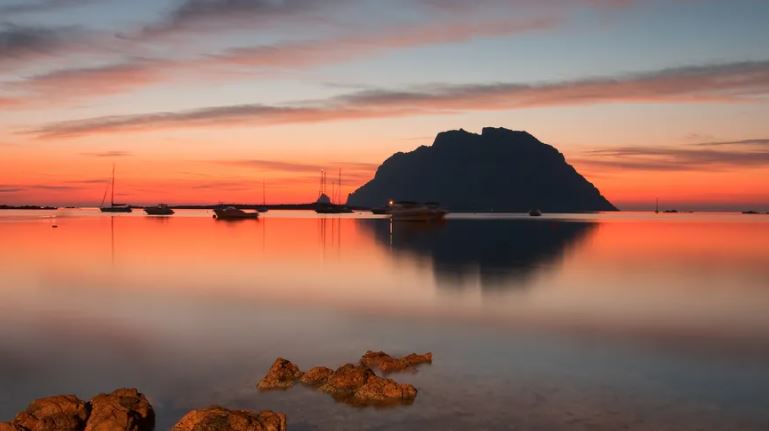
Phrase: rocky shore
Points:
(355, 384)
(127, 409)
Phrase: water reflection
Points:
(502, 254)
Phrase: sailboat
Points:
(326, 205)
(113, 207)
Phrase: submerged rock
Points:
(316, 376)
(388, 364)
(281, 375)
(123, 409)
(357, 384)
(347, 379)
(220, 419)
(381, 390)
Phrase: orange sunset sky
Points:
(201, 101)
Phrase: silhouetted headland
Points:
(498, 170)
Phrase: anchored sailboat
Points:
(113, 207)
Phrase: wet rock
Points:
(57, 413)
(123, 409)
(221, 419)
(357, 384)
(389, 364)
(346, 379)
(381, 390)
(281, 375)
(316, 376)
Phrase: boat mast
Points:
(339, 188)
(112, 197)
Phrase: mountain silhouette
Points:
(498, 170)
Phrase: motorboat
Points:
(161, 209)
(232, 213)
(415, 211)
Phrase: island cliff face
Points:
(498, 170)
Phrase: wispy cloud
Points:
(19, 43)
(32, 6)
(107, 154)
(63, 86)
(700, 156)
(734, 82)
(352, 172)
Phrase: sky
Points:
(205, 101)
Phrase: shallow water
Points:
(589, 322)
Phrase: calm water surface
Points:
(595, 322)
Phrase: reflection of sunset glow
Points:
(617, 272)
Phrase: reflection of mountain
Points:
(502, 253)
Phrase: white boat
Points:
(415, 211)
(232, 213)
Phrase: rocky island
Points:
(497, 170)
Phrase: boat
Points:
(232, 213)
(113, 207)
(326, 205)
(161, 209)
(380, 211)
(415, 211)
(535, 212)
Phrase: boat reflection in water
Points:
(502, 254)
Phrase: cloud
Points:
(111, 153)
(196, 15)
(19, 42)
(82, 83)
(700, 156)
(32, 6)
(734, 82)
(10, 189)
(745, 142)
(352, 172)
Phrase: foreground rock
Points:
(123, 409)
(282, 375)
(57, 413)
(357, 384)
(316, 376)
(221, 419)
(388, 364)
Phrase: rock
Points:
(6, 426)
(497, 170)
(123, 409)
(357, 384)
(347, 379)
(316, 376)
(283, 374)
(220, 419)
(381, 390)
(388, 364)
(57, 413)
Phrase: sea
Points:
(605, 321)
